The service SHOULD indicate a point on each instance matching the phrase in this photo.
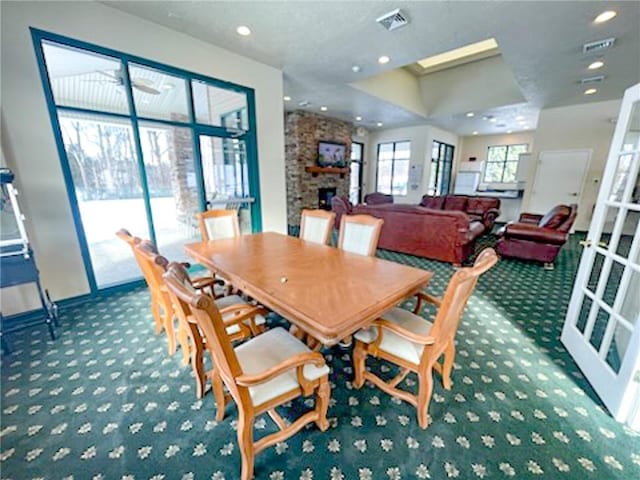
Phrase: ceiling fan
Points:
(117, 78)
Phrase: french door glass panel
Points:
(355, 174)
(226, 176)
(213, 105)
(158, 95)
(172, 185)
(85, 79)
(107, 184)
(605, 308)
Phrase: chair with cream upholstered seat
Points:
(245, 320)
(261, 374)
(414, 343)
(360, 234)
(316, 226)
(218, 224)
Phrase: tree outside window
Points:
(393, 167)
(502, 163)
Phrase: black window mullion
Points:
(138, 144)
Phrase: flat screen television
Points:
(332, 154)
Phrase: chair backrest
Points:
(207, 316)
(560, 217)
(218, 224)
(340, 205)
(455, 299)
(360, 234)
(377, 198)
(316, 225)
(132, 241)
(153, 263)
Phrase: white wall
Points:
(421, 138)
(585, 126)
(478, 145)
(28, 141)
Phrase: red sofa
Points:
(445, 235)
(482, 209)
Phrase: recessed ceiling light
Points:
(487, 117)
(358, 118)
(492, 120)
(475, 133)
(243, 30)
(605, 16)
(287, 98)
(384, 59)
(509, 132)
(590, 91)
(519, 117)
(526, 127)
(167, 86)
(355, 68)
(596, 65)
(379, 124)
(471, 114)
(323, 108)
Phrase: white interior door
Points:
(560, 177)
(602, 327)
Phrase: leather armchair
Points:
(537, 237)
(376, 198)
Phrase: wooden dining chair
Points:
(261, 374)
(218, 224)
(132, 241)
(245, 320)
(416, 344)
(360, 234)
(316, 226)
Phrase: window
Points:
(393, 167)
(144, 146)
(441, 162)
(502, 163)
(355, 175)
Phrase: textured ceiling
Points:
(315, 44)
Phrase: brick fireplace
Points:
(303, 131)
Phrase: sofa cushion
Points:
(453, 202)
(555, 217)
(435, 203)
(479, 205)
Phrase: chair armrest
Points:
(489, 216)
(202, 282)
(524, 231)
(427, 298)
(398, 330)
(529, 218)
(297, 361)
(241, 315)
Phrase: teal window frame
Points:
(249, 136)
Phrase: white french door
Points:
(602, 327)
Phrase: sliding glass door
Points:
(144, 147)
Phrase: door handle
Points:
(574, 194)
(603, 244)
(585, 243)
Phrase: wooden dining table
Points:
(325, 291)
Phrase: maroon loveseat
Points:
(482, 209)
(445, 235)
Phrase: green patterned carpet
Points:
(104, 401)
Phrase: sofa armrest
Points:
(531, 218)
(524, 231)
(489, 217)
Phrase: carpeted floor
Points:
(104, 401)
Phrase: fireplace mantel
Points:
(315, 170)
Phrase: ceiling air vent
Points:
(592, 80)
(393, 20)
(598, 46)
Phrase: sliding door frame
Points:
(197, 129)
